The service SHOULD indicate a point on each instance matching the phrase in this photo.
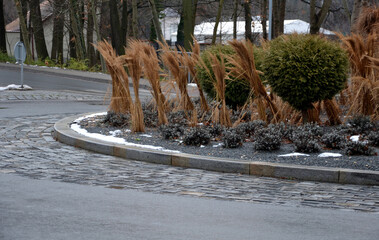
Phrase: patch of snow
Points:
(202, 146)
(146, 135)
(115, 133)
(295, 154)
(192, 84)
(355, 138)
(15, 87)
(76, 127)
(89, 116)
(217, 145)
(327, 154)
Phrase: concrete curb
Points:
(64, 134)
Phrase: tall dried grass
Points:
(244, 67)
(364, 85)
(151, 71)
(191, 61)
(121, 101)
(174, 61)
(218, 68)
(132, 61)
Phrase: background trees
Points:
(118, 20)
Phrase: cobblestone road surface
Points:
(28, 149)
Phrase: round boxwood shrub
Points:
(237, 90)
(303, 69)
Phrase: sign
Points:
(20, 55)
(20, 52)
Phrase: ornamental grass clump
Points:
(237, 89)
(243, 66)
(304, 69)
(133, 62)
(121, 101)
(151, 71)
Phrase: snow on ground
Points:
(295, 154)
(112, 138)
(355, 138)
(327, 154)
(15, 87)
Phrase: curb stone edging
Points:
(63, 133)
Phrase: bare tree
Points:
(38, 33)
(58, 31)
(3, 45)
(219, 11)
(317, 18)
(248, 33)
(24, 30)
(157, 25)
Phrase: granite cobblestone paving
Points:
(27, 148)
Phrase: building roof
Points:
(226, 28)
(46, 11)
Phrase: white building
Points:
(170, 24)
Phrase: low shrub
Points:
(196, 137)
(303, 69)
(178, 117)
(215, 130)
(334, 140)
(231, 139)
(305, 143)
(360, 125)
(4, 57)
(171, 131)
(247, 129)
(76, 64)
(313, 131)
(267, 139)
(358, 148)
(116, 119)
(373, 138)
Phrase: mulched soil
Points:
(246, 152)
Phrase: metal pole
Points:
(22, 74)
(270, 20)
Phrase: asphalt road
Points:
(45, 209)
(40, 209)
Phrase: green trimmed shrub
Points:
(237, 90)
(303, 69)
(4, 57)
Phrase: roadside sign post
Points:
(20, 55)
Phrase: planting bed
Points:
(118, 126)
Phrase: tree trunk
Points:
(76, 25)
(58, 34)
(24, 31)
(278, 15)
(104, 20)
(134, 19)
(235, 10)
(317, 18)
(97, 30)
(115, 27)
(39, 35)
(124, 22)
(180, 37)
(156, 22)
(90, 28)
(24, 7)
(248, 33)
(264, 19)
(188, 22)
(219, 11)
(3, 44)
